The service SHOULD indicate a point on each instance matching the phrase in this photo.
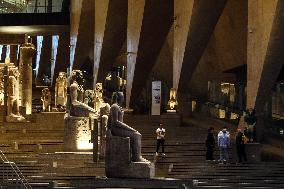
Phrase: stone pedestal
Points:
(171, 119)
(77, 134)
(118, 163)
(253, 152)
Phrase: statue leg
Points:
(135, 141)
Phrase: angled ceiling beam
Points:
(204, 17)
(101, 10)
(134, 23)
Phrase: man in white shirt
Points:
(161, 132)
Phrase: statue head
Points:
(77, 75)
(61, 76)
(45, 92)
(118, 97)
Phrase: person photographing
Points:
(161, 132)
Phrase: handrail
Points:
(20, 179)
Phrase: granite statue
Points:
(123, 147)
(46, 99)
(61, 90)
(13, 114)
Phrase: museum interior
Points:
(85, 85)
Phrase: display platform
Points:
(171, 119)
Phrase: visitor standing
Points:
(161, 132)
(210, 144)
(223, 144)
(240, 145)
(250, 120)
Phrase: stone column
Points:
(27, 51)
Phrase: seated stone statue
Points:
(118, 128)
(46, 99)
(78, 108)
(123, 147)
(13, 114)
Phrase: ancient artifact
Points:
(77, 107)
(89, 96)
(13, 114)
(1, 87)
(46, 99)
(98, 100)
(79, 118)
(172, 103)
(123, 147)
(61, 90)
(27, 51)
(104, 114)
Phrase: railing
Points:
(12, 177)
(33, 6)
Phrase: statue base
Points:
(15, 118)
(77, 134)
(118, 163)
(171, 119)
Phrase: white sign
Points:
(156, 97)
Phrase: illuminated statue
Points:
(78, 108)
(46, 99)
(1, 88)
(13, 114)
(89, 97)
(172, 103)
(99, 101)
(61, 90)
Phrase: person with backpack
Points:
(223, 144)
(240, 146)
(210, 144)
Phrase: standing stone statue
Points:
(46, 99)
(104, 114)
(13, 114)
(1, 87)
(123, 147)
(61, 90)
(172, 103)
(89, 96)
(98, 100)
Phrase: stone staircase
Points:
(42, 161)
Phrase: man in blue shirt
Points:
(223, 144)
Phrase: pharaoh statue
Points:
(172, 103)
(46, 99)
(61, 90)
(77, 107)
(89, 96)
(1, 88)
(79, 118)
(104, 114)
(122, 161)
(13, 114)
(99, 101)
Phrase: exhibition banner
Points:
(156, 97)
